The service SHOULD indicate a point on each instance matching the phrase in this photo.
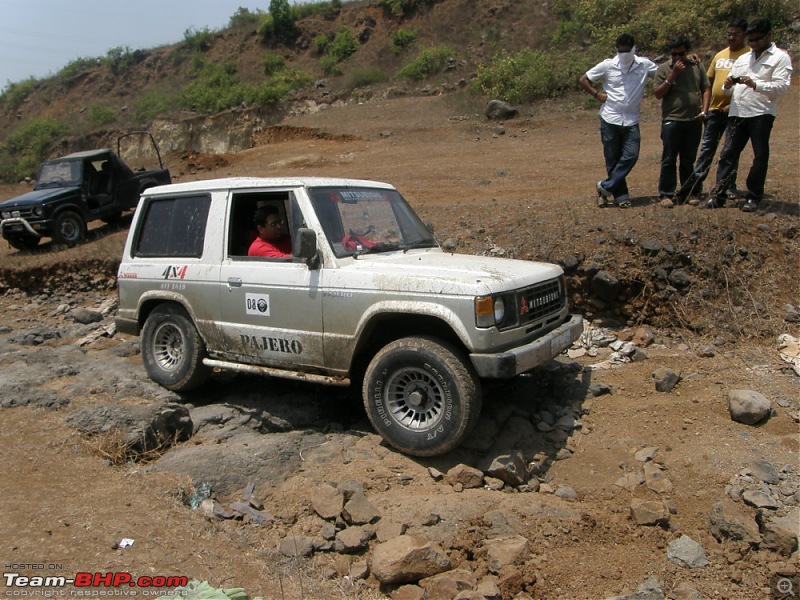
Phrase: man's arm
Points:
(590, 89)
(665, 80)
(779, 81)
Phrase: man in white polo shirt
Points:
(623, 80)
(755, 82)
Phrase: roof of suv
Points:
(244, 183)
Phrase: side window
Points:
(242, 230)
(173, 227)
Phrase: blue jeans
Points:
(621, 151)
(680, 139)
(741, 130)
(716, 122)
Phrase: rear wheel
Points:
(69, 228)
(172, 350)
(23, 242)
(422, 395)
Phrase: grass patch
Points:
(428, 62)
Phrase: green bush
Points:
(152, 104)
(330, 66)
(101, 115)
(366, 76)
(529, 75)
(198, 40)
(428, 62)
(120, 59)
(243, 18)
(266, 29)
(400, 8)
(15, 93)
(272, 63)
(402, 39)
(29, 145)
(77, 66)
(653, 24)
(321, 43)
(344, 45)
(283, 28)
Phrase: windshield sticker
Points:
(353, 196)
(257, 304)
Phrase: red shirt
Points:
(280, 249)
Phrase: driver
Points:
(271, 241)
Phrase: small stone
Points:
(685, 552)
(748, 407)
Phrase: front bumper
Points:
(524, 358)
(18, 226)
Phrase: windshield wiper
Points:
(426, 243)
(379, 247)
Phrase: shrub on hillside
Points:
(120, 59)
(153, 104)
(428, 62)
(101, 115)
(330, 66)
(283, 28)
(29, 145)
(400, 8)
(367, 76)
(243, 18)
(402, 39)
(198, 40)
(344, 45)
(272, 63)
(321, 43)
(16, 93)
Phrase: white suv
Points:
(367, 296)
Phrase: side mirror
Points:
(305, 246)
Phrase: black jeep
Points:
(73, 190)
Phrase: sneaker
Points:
(693, 201)
(603, 192)
(750, 205)
(623, 202)
(715, 202)
(666, 202)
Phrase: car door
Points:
(270, 308)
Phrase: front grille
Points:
(538, 301)
(24, 212)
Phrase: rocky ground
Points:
(657, 459)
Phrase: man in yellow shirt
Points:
(715, 112)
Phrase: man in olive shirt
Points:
(716, 113)
(683, 88)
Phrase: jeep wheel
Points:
(23, 242)
(69, 228)
(172, 350)
(422, 395)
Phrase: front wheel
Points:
(422, 395)
(172, 350)
(69, 228)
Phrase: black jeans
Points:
(741, 130)
(681, 139)
(716, 123)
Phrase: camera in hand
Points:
(736, 79)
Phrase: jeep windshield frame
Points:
(361, 220)
(60, 173)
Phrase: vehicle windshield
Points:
(360, 221)
(65, 173)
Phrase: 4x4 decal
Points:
(175, 272)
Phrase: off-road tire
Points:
(23, 242)
(422, 395)
(172, 350)
(69, 228)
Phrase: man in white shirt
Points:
(755, 82)
(623, 81)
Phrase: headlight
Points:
(38, 211)
(5, 215)
(490, 311)
(499, 310)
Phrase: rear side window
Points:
(173, 227)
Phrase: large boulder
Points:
(407, 559)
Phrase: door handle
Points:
(234, 282)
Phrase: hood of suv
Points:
(434, 271)
(38, 197)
